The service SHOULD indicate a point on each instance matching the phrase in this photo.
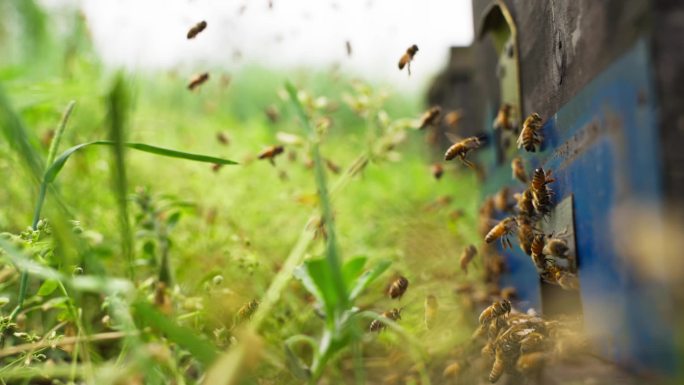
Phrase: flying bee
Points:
(222, 138)
(509, 293)
(466, 256)
(196, 29)
(431, 307)
(407, 57)
(198, 80)
(348, 46)
(495, 310)
(518, 169)
(453, 118)
(272, 113)
(430, 116)
(246, 311)
(393, 315)
(503, 118)
(437, 171)
(525, 234)
(530, 136)
(556, 247)
(271, 152)
(461, 148)
(502, 230)
(334, 168)
(216, 167)
(398, 287)
(537, 251)
(501, 201)
(456, 214)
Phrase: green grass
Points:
(136, 234)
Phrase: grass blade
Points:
(200, 349)
(19, 137)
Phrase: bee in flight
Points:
(518, 169)
(398, 287)
(198, 80)
(407, 57)
(196, 29)
(246, 311)
(502, 230)
(430, 117)
(348, 46)
(530, 137)
(503, 118)
(437, 171)
(453, 118)
(393, 315)
(271, 152)
(468, 254)
(461, 147)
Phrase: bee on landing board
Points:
(495, 310)
(518, 169)
(407, 58)
(398, 287)
(530, 136)
(378, 325)
(466, 256)
(198, 80)
(196, 29)
(429, 118)
(541, 192)
(271, 152)
(461, 148)
(502, 230)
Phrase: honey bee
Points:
(271, 152)
(464, 288)
(537, 251)
(162, 299)
(406, 58)
(222, 138)
(393, 315)
(525, 203)
(198, 80)
(466, 256)
(541, 192)
(530, 362)
(509, 293)
(216, 167)
(437, 171)
(196, 29)
(532, 342)
(502, 230)
(430, 116)
(501, 201)
(498, 366)
(348, 46)
(453, 118)
(495, 310)
(456, 214)
(452, 370)
(335, 169)
(556, 247)
(503, 118)
(431, 307)
(530, 137)
(247, 311)
(525, 234)
(518, 169)
(272, 113)
(461, 149)
(398, 287)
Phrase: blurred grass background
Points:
(238, 223)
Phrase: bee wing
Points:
(453, 137)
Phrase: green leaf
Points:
(316, 276)
(352, 269)
(200, 349)
(367, 278)
(19, 138)
(48, 287)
